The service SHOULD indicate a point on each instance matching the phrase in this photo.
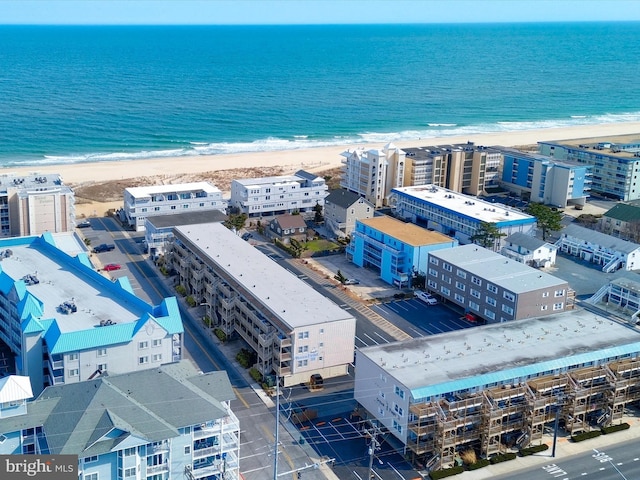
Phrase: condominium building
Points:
(494, 287)
(295, 331)
(542, 179)
(492, 388)
(269, 196)
(66, 323)
(166, 423)
(147, 201)
(464, 168)
(373, 173)
(394, 249)
(34, 204)
(615, 162)
(610, 252)
(455, 214)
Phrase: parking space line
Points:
(371, 339)
(361, 341)
(386, 341)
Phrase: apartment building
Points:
(394, 249)
(541, 179)
(34, 204)
(494, 287)
(373, 173)
(611, 253)
(148, 201)
(166, 423)
(615, 162)
(493, 388)
(464, 168)
(456, 215)
(295, 331)
(622, 220)
(66, 323)
(341, 210)
(270, 196)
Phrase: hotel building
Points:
(143, 202)
(295, 331)
(492, 388)
(66, 323)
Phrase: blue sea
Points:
(82, 94)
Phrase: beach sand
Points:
(223, 168)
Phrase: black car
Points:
(104, 247)
(84, 224)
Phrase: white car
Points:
(426, 298)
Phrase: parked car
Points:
(426, 298)
(84, 224)
(247, 236)
(352, 281)
(112, 266)
(473, 318)
(103, 247)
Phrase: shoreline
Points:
(315, 159)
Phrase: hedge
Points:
(255, 374)
(503, 457)
(615, 428)
(483, 462)
(447, 472)
(579, 437)
(524, 452)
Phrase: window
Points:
(460, 286)
(433, 272)
(143, 360)
(157, 342)
(73, 356)
(93, 458)
(102, 352)
(474, 306)
(545, 294)
(91, 476)
(102, 367)
(459, 298)
(130, 472)
(399, 392)
(509, 296)
(461, 274)
(187, 449)
(432, 283)
(157, 357)
(433, 260)
(490, 300)
(321, 344)
(474, 293)
(302, 335)
(74, 372)
(128, 452)
(445, 290)
(559, 293)
(476, 280)
(544, 307)
(492, 288)
(489, 313)
(507, 309)
(397, 426)
(398, 409)
(302, 363)
(303, 349)
(142, 345)
(558, 306)
(447, 267)
(321, 331)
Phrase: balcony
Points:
(154, 469)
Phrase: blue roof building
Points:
(65, 322)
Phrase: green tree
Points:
(487, 235)
(236, 221)
(548, 218)
(318, 218)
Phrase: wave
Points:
(304, 142)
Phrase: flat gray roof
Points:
(497, 269)
(287, 297)
(188, 218)
(527, 241)
(471, 357)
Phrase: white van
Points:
(426, 298)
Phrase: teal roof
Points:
(624, 212)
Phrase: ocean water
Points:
(83, 94)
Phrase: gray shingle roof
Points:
(149, 404)
(526, 241)
(342, 198)
(602, 239)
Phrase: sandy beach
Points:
(184, 169)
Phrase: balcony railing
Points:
(153, 469)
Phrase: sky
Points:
(238, 12)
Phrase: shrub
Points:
(503, 457)
(181, 290)
(207, 321)
(524, 452)
(255, 374)
(164, 271)
(220, 334)
(245, 357)
(580, 437)
(447, 472)
(191, 301)
(469, 457)
(483, 462)
(614, 428)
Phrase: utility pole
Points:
(275, 448)
(373, 447)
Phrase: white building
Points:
(530, 250)
(611, 252)
(167, 423)
(64, 322)
(373, 173)
(270, 196)
(295, 331)
(33, 204)
(143, 202)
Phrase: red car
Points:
(112, 266)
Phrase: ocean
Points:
(91, 93)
